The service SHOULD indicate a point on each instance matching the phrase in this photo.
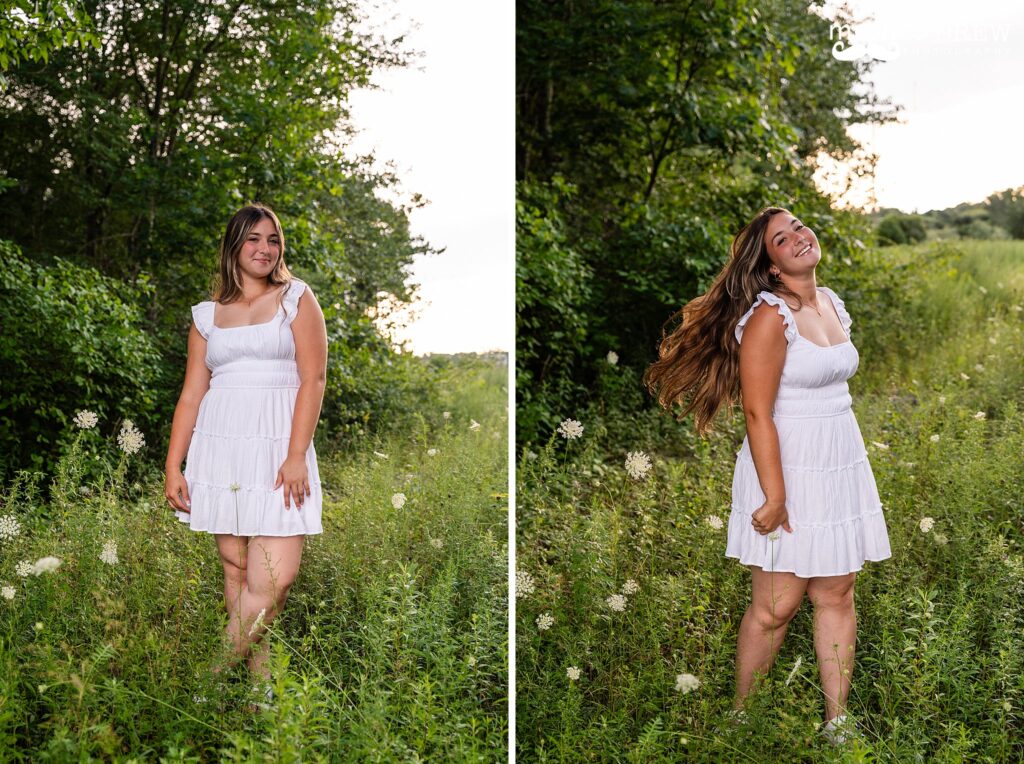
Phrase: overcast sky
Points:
(959, 76)
(448, 125)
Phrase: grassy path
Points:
(392, 647)
(940, 664)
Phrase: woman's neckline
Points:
(277, 312)
(796, 329)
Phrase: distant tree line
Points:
(1000, 216)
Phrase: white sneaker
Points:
(839, 731)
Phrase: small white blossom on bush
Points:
(23, 569)
(934, 438)
(964, 377)
(545, 621)
(630, 587)
(1007, 706)
(379, 455)
(570, 429)
(926, 524)
(109, 553)
(774, 536)
(573, 673)
(613, 357)
(130, 439)
(715, 522)
(980, 415)
(45, 565)
(398, 500)
(446, 414)
(530, 456)
(638, 464)
(471, 660)
(686, 683)
(474, 425)
(10, 528)
(1018, 308)
(524, 584)
(942, 399)
(979, 367)
(85, 490)
(431, 452)
(86, 420)
(616, 602)
(879, 446)
(437, 543)
(7, 592)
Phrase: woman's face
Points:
(261, 250)
(792, 246)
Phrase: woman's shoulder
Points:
(764, 312)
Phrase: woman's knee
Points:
(831, 593)
(772, 616)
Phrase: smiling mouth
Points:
(804, 251)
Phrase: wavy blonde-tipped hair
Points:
(228, 287)
(698, 362)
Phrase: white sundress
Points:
(241, 435)
(831, 497)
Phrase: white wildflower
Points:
(45, 565)
(530, 456)
(934, 438)
(10, 528)
(545, 621)
(235, 488)
(474, 425)
(964, 377)
(86, 420)
(109, 553)
(7, 592)
(1018, 308)
(379, 455)
(980, 415)
(1007, 706)
(942, 399)
(926, 524)
(573, 673)
(613, 357)
(616, 602)
(630, 587)
(796, 667)
(879, 446)
(638, 464)
(431, 452)
(85, 490)
(398, 500)
(715, 522)
(471, 661)
(570, 429)
(23, 569)
(437, 543)
(258, 622)
(940, 538)
(130, 439)
(982, 290)
(524, 584)
(774, 536)
(993, 341)
(686, 683)
(446, 414)
(978, 367)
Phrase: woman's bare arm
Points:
(310, 332)
(197, 382)
(762, 356)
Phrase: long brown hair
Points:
(698, 362)
(228, 287)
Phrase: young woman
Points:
(254, 384)
(805, 511)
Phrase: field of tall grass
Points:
(623, 588)
(392, 645)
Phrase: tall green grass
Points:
(392, 646)
(940, 658)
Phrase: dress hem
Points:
(805, 575)
(185, 521)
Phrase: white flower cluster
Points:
(109, 553)
(437, 543)
(686, 683)
(398, 500)
(638, 464)
(545, 621)
(45, 565)
(616, 603)
(86, 420)
(525, 584)
(612, 357)
(130, 439)
(7, 592)
(23, 569)
(431, 452)
(474, 425)
(630, 587)
(10, 528)
(715, 522)
(570, 429)
(573, 673)
(926, 524)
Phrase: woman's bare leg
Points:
(835, 636)
(775, 598)
(233, 557)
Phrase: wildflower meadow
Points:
(392, 645)
(627, 609)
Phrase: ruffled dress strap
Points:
(290, 302)
(778, 302)
(202, 315)
(844, 316)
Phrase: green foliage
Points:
(73, 339)
(647, 135)
(901, 229)
(938, 668)
(1006, 209)
(392, 646)
(30, 31)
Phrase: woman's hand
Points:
(770, 516)
(295, 478)
(176, 491)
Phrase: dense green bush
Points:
(72, 339)
(898, 228)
